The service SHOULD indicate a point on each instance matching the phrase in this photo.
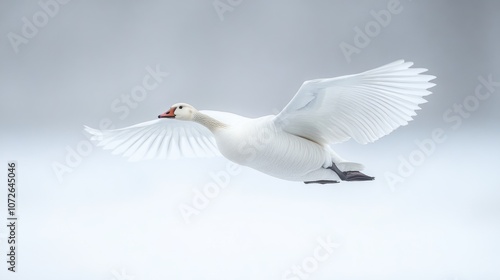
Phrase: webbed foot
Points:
(321, 182)
(350, 175)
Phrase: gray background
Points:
(108, 214)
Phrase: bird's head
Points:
(180, 111)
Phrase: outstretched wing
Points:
(158, 139)
(363, 106)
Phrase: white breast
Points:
(257, 143)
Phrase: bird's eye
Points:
(180, 107)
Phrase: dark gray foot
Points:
(321, 182)
(357, 176)
(350, 175)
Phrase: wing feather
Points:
(157, 139)
(363, 106)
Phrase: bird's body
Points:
(269, 149)
(294, 144)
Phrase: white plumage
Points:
(293, 145)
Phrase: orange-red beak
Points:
(169, 114)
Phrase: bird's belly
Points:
(280, 155)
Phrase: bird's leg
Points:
(350, 175)
(341, 174)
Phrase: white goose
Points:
(294, 144)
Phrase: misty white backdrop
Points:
(106, 218)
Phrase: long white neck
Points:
(207, 121)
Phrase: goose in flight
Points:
(294, 144)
